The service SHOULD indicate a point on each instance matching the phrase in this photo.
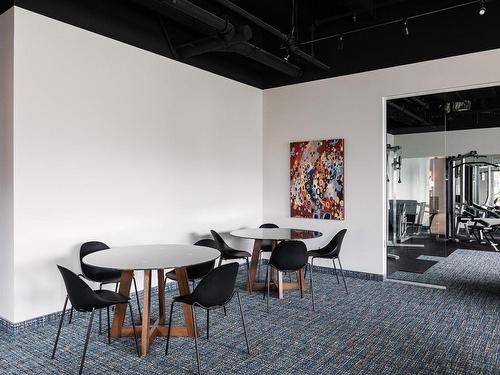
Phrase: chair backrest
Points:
(217, 288)
(89, 248)
(222, 246)
(335, 244)
(268, 243)
(199, 270)
(82, 297)
(289, 256)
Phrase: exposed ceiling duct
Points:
(288, 39)
(228, 39)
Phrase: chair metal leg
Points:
(169, 327)
(289, 276)
(301, 287)
(87, 337)
(243, 322)
(265, 284)
(311, 284)
(225, 311)
(268, 278)
(133, 327)
(335, 269)
(248, 276)
(220, 262)
(70, 315)
(258, 265)
(208, 324)
(193, 284)
(100, 314)
(60, 326)
(137, 298)
(342, 273)
(109, 331)
(196, 340)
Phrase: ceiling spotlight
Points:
(287, 57)
(482, 10)
(340, 47)
(354, 17)
(405, 27)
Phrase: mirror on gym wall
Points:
(443, 188)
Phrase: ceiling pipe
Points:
(258, 54)
(225, 29)
(211, 44)
(271, 29)
(408, 113)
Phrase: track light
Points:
(287, 57)
(340, 47)
(354, 17)
(405, 27)
(482, 10)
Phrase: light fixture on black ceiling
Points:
(340, 46)
(406, 30)
(482, 9)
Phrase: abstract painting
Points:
(317, 179)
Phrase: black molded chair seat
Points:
(109, 298)
(197, 271)
(101, 275)
(215, 290)
(288, 256)
(228, 253)
(84, 299)
(267, 245)
(238, 254)
(331, 251)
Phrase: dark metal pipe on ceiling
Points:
(408, 113)
(221, 25)
(286, 38)
(258, 54)
(224, 28)
(211, 44)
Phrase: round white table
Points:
(274, 235)
(148, 258)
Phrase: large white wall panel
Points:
(118, 144)
(6, 164)
(351, 107)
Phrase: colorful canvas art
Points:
(317, 179)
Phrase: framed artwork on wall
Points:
(317, 179)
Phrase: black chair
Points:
(214, 291)
(101, 275)
(331, 251)
(197, 271)
(228, 253)
(84, 299)
(289, 256)
(267, 245)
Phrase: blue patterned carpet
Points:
(379, 328)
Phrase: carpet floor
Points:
(378, 328)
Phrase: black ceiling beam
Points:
(408, 113)
(212, 44)
(289, 40)
(226, 30)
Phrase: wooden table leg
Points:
(120, 310)
(302, 281)
(146, 310)
(161, 295)
(183, 284)
(254, 263)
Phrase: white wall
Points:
(484, 141)
(352, 107)
(118, 144)
(6, 164)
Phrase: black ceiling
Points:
(454, 32)
(457, 110)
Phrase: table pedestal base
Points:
(146, 330)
